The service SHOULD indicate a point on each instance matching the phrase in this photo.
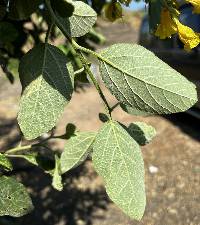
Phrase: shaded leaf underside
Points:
(47, 88)
(82, 20)
(117, 158)
(76, 150)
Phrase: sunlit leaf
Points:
(14, 199)
(82, 20)
(47, 88)
(76, 150)
(5, 162)
(141, 80)
(118, 159)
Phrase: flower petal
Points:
(196, 5)
(187, 36)
(167, 26)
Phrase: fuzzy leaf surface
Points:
(82, 20)
(57, 178)
(5, 163)
(118, 159)
(139, 79)
(14, 199)
(76, 150)
(47, 88)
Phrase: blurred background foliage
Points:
(23, 24)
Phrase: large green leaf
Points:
(76, 150)
(141, 80)
(82, 20)
(14, 199)
(22, 9)
(118, 159)
(47, 87)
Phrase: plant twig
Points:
(96, 84)
(18, 149)
(79, 50)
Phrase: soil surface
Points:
(172, 164)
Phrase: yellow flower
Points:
(196, 5)
(167, 26)
(187, 36)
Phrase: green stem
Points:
(96, 84)
(86, 50)
(79, 49)
(77, 72)
(18, 149)
(15, 156)
(114, 106)
(48, 33)
(55, 20)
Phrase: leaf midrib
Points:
(129, 176)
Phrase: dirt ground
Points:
(172, 166)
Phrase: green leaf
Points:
(47, 88)
(141, 132)
(103, 117)
(57, 178)
(44, 162)
(63, 8)
(22, 9)
(14, 199)
(5, 163)
(139, 79)
(76, 150)
(118, 159)
(70, 130)
(113, 11)
(134, 111)
(155, 7)
(82, 20)
(30, 157)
